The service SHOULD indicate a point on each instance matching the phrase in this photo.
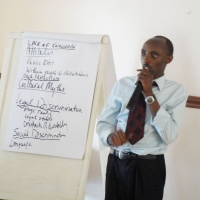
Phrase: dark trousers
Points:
(135, 179)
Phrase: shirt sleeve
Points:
(108, 119)
(168, 120)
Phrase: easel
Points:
(29, 176)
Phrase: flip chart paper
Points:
(52, 97)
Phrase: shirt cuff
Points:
(160, 120)
(105, 135)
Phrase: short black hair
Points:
(169, 44)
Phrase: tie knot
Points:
(154, 84)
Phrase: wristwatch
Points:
(150, 99)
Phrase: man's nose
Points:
(147, 58)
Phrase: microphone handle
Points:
(134, 96)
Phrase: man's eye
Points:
(143, 54)
(154, 56)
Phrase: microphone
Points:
(135, 95)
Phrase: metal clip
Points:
(122, 155)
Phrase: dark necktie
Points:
(154, 84)
(136, 119)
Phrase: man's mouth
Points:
(146, 65)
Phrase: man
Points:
(136, 170)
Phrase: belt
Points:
(130, 155)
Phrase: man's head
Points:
(156, 53)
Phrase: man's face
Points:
(154, 55)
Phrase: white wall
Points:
(128, 23)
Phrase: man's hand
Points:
(146, 78)
(118, 138)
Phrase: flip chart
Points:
(52, 97)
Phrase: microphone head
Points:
(145, 65)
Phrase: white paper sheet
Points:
(52, 98)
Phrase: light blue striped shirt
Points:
(158, 132)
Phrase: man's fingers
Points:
(130, 135)
(115, 140)
(118, 138)
(144, 73)
(122, 136)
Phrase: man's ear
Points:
(169, 59)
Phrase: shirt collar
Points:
(160, 82)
